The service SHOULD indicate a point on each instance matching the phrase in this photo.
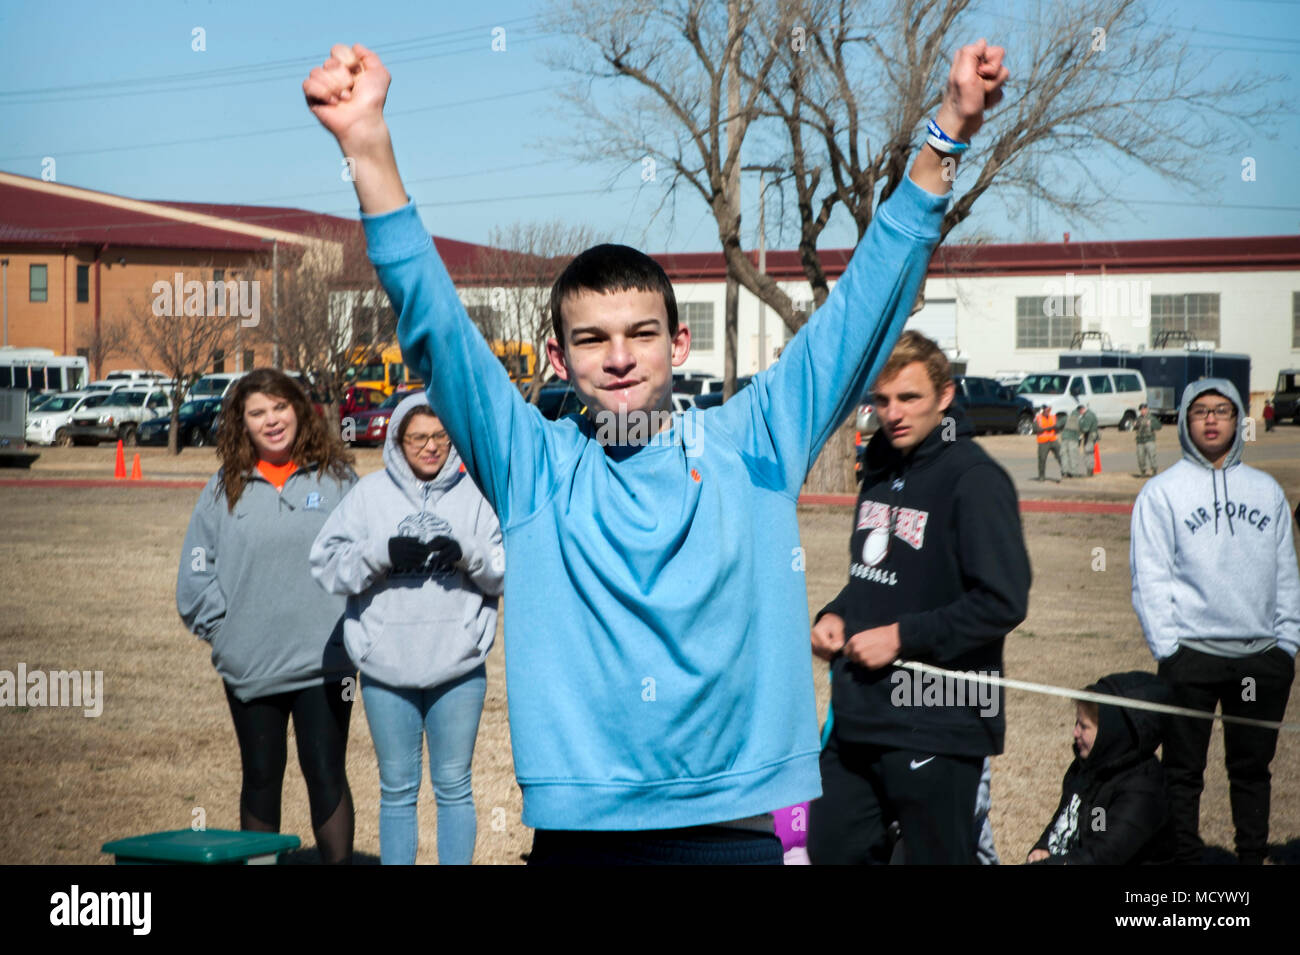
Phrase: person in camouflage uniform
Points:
(1144, 430)
(1088, 425)
(1070, 436)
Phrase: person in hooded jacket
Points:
(419, 553)
(939, 575)
(1113, 808)
(1217, 591)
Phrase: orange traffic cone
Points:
(1096, 458)
(135, 468)
(119, 469)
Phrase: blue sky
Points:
(476, 129)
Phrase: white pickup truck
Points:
(118, 416)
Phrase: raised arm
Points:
(791, 409)
(497, 434)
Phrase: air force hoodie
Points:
(1211, 552)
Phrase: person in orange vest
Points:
(1046, 426)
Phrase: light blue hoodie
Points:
(413, 631)
(657, 661)
(1211, 551)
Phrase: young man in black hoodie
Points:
(1114, 809)
(939, 575)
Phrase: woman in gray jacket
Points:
(245, 586)
(418, 551)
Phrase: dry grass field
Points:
(87, 578)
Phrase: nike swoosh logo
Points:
(915, 765)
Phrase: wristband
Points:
(942, 142)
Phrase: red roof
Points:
(1042, 258)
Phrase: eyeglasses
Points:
(417, 442)
(1221, 412)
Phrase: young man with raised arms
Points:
(661, 700)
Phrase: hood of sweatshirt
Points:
(1125, 735)
(1193, 391)
(399, 469)
(1192, 454)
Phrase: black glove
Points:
(444, 552)
(408, 554)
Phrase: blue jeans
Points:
(399, 719)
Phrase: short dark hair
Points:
(611, 268)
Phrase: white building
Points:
(1016, 307)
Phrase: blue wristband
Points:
(942, 142)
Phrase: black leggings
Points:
(320, 725)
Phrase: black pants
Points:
(867, 787)
(320, 725)
(1202, 681)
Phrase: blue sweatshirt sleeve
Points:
(1286, 626)
(1151, 564)
(790, 410)
(501, 438)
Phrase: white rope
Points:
(1092, 697)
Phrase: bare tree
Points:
(837, 93)
(510, 295)
(181, 334)
(106, 339)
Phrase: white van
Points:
(1113, 394)
(215, 385)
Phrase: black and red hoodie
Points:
(937, 547)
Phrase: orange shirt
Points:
(277, 474)
(1048, 423)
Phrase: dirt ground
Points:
(87, 578)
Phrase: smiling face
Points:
(617, 351)
(425, 444)
(272, 425)
(909, 406)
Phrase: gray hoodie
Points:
(413, 631)
(245, 586)
(1211, 552)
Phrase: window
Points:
(1076, 387)
(1041, 322)
(1193, 312)
(698, 317)
(38, 278)
(803, 308)
(218, 361)
(1101, 384)
(1295, 319)
(158, 400)
(218, 275)
(248, 359)
(83, 283)
(1124, 383)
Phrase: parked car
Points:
(711, 399)
(119, 416)
(215, 385)
(371, 427)
(558, 399)
(194, 424)
(48, 424)
(357, 398)
(1286, 399)
(992, 407)
(1113, 394)
(695, 383)
(37, 398)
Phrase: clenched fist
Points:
(974, 85)
(828, 636)
(347, 94)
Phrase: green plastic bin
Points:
(202, 847)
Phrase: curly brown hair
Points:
(314, 444)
